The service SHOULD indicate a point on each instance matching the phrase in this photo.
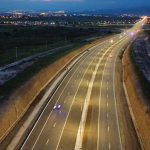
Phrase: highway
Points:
(87, 118)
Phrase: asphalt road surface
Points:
(61, 129)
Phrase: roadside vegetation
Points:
(144, 83)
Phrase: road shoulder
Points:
(128, 134)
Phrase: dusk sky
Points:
(70, 4)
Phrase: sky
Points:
(70, 4)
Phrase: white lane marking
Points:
(107, 104)
(72, 86)
(47, 141)
(65, 101)
(60, 112)
(107, 82)
(108, 73)
(107, 115)
(109, 145)
(108, 128)
(74, 80)
(56, 101)
(107, 89)
(107, 95)
(54, 125)
(81, 107)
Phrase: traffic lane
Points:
(113, 133)
(113, 126)
(35, 133)
(112, 121)
(72, 124)
(105, 141)
(112, 103)
(103, 122)
(59, 121)
(91, 126)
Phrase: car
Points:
(110, 56)
(58, 106)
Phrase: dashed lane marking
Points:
(47, 141)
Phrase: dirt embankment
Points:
(136, 97)
(20, 100)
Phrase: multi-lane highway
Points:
(87, 118)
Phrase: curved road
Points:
(87, 118)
